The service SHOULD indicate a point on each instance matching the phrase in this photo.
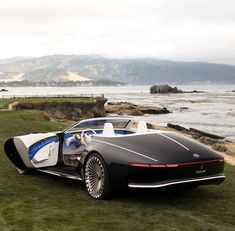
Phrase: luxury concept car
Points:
(111, 153)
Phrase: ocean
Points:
(212, 111)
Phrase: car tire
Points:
(96, 177)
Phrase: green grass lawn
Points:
(5, 102)
(44, 202)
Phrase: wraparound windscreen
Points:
(99, 124)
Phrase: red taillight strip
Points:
(147, 165)
(173, 165)
(202, 162)
(139, 165)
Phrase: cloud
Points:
(200, 30)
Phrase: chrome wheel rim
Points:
(94, 177)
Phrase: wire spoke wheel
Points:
(95, 177)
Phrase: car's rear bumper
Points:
(214, 179)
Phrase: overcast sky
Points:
(191, 30)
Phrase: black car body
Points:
(109, 153)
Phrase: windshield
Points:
(99, 124)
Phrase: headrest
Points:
(108, 130)
(142, 127)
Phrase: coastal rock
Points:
(178, 128)
(204, 137)
(125, 108)
(214, 143)
(208, 140)
(164, 89)
(3, 90)
(220, 147)
(194, 91)
(153, 110)
(202, 133)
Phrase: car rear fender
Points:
(13, 154)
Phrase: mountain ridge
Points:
(133, 71)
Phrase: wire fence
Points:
(53, 96)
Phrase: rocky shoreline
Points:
(72, 110)
(125, 108)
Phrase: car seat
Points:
(108, 130)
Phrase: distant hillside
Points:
(135, 71)
(13, 59)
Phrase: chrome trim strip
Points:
(135, 185)
(60, 174)
(174, 141)
(49, 172)
(126, 149)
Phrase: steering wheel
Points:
(86, 138)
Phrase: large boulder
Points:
(125, 108)
(164, 89)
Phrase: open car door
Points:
(38, 150)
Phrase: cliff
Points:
(70, 110)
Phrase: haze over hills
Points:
(14, 59)
(94, 67)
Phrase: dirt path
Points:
(10, 106)
(228, 159)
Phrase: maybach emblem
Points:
(195, 155)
